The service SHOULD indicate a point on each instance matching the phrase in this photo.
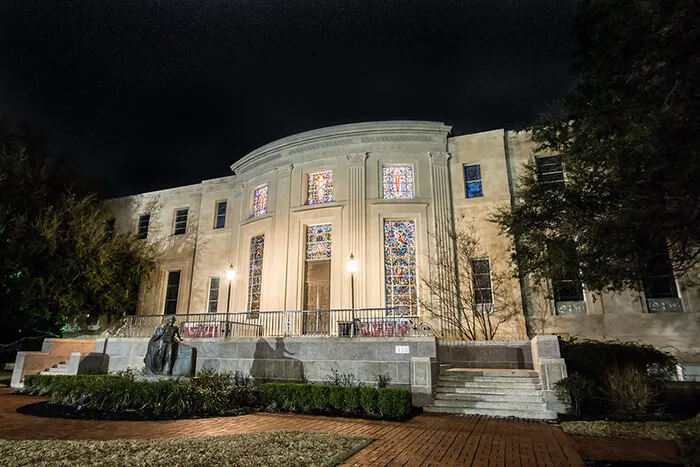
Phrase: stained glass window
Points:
(472, 181)
(318, 241)
(260, 201)
(400, 266)
(321, 187)
(397, 181)
(257, 245)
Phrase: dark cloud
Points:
(152, 94)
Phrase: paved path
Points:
(429, 439)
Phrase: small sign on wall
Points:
(401, 349)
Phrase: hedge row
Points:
(158, 399)
(339, 400)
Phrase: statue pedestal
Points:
(185, 362)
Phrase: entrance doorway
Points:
(317, 296)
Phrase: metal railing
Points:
(366, 322)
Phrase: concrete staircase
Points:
(492, 392)
(58, 369)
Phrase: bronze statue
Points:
(165, 355)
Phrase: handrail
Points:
(359, 322)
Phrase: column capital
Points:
(439, 158)
(284, 171)
(357, 159)
(238, 189)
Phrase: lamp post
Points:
(352, 269)
(230, 276)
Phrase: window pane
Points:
(260, 201)
(550, 172)
(481, 281)
(318, 241)
(171, 292)
(144, 220)
(180, 222)
(213, 295)
(400, 266)
(257, 246)
(220, 215)
(397, 181)
(320, 187)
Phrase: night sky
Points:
(143, 95)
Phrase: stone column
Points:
(444, 254)
(282, 231)
(237, 216)
(357, 223)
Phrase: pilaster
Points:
(357, 223)
(282, 232)
(444, 255)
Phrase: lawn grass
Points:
(272, 448)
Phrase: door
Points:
(317, 296)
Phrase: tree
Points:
(60, 258)
(481, 299)
(629, 138)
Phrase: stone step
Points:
(490, 405)
(497, 373)
(488, 384)
(526, 414)
(535, 399)
(490, 379)
(504, 391)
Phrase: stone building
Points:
(388, 194)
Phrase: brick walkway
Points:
(429, 439)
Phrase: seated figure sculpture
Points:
(167, 355)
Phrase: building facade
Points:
(389, 195)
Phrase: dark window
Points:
(213, 295)
(220, 215)
(109, 228)
(180, 226)
(472, 181)
(171, 292)
(144, 220)
(658, 272)
(481, 279)
(566, 285)
(550, 172)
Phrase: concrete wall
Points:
(286, 359)
(53, 352)
(487, 354)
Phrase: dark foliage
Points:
(387, 403)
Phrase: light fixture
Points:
(352, 264)
(230, 273)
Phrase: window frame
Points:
(175, 221)
(218, 215)
(475, 287)
(308, 187)
(251, 311)
(480, 193)
(397, 164)
(168, 285)
(254, 194)
(547, 185)
(141, 232)
(213, 300)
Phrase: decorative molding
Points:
(357, 159)
(361, 140)
(238, 189)
(284, 171)
(439, 158)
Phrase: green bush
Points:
(159, 399)
(626, 378)
(338, 400)
(394, 403)
(577, 390)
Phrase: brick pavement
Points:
(429, 439)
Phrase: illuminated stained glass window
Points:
(321, 187)
(400, 266)
(260, 201)
(397, 181)
(257, 245)
(318, 241)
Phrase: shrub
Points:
(160, 399)
(394, 403)
(624, 375)
(341, 379)
(339, 400)
(577, 391)
(629, 391)
(383, 380)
